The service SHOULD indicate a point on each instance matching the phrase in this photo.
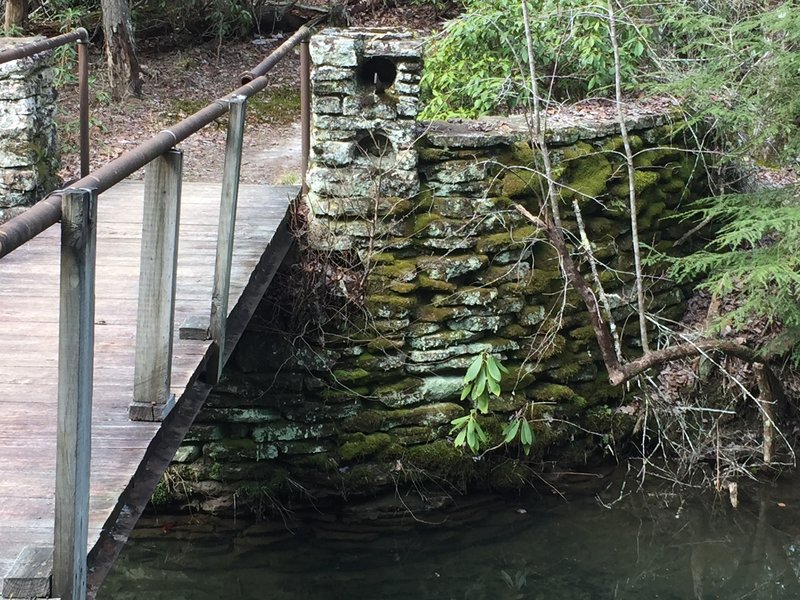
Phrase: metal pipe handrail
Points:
(47, 212)
(270, 61)
(31, 48)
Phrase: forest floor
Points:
(183, 76)
(179, 81)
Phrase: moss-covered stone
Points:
(404, 270)
(451, 266)
(360, 446)
(467, 296)
(642, 180)
(370, 421)
(350, 375)
(442, 339)
(440, 314)
(390, 306)
(236, 450)
(521, 182)
(412, 435)
(553, 392)
(480, 323)
(439, 459)
(588, 174)
(474, 348)
(505, 240)
(288, 431)
(436, 285)
(432, 225)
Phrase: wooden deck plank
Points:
(29, 341)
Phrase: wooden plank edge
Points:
(133, 500)
(29, 576)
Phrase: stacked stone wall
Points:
(28, 149)
(424, 263)
(367, 406)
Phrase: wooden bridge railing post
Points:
(152, 399)
(83, 102)
(225, 236)
(75, 367)
(305, 111)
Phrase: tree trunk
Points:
(16, 13)
(123, 66)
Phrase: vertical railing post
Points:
(225, 236)
(75, 367)
(83, 93)
(305, 111)
(152, 399)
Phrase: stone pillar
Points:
(28, 148)
(363, 165)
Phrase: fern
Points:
(755, 255)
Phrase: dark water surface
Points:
(645, 546)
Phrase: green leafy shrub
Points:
(479, 63)
(736, 66)
(481, 383)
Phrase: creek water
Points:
(648, 545)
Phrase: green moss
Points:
(587, 177)
(369, 421)
(553, 392)
(641, 181)
(514, 331)
(550, 347)
(336, 395)
(413, 435)
(522, 153)
(437, 285)
(440, 459)
(427, 154)
(650, 215)
(522, 182)
(576, 151)
(509, 475)
(390, 306)
(498, 242)
(163, 494)
(360, 446)
(438, 314)
(398, 270)
(382, 258)
(348, 375)
(583, 334)
(656, 156)
(613, 144)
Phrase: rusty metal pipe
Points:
(47, 212)
(32, 48)
(305, 111)
(265, 65)
(83, 95)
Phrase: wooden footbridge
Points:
(98, 381)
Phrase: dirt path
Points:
(178, 82)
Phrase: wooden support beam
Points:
(305, 112)
(29, 576)
(225, 237)
(152, 399)
(75, 371)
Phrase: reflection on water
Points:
(640, 548)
